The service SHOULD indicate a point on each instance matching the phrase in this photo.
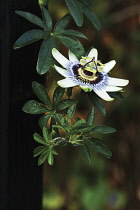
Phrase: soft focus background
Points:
(114, 184)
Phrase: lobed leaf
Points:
(45, 134)
(98, 146)
(41, 93)
(65, 104)
(43, 157)
(86, 152)
(50, 158)
(47, 19)
(103, 129)
(58, 93)
(45, 58)
(43, 120)
(62, 23)
(34, 107)
(71, 112)
(75, 11)
(71, 32)
(97, 102)
(29, 37)
(39, 139)
(31, 17)
(73, 44)
(90, 116)
(37, 151)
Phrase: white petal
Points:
(104, 95)
(112, 88)
(59, 57)
(66, 83)
(117, 82)
(63, 72)
(108, 66)
(72, 57)
(93, 53)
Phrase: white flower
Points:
(88, 73)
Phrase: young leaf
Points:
(62, 23)
(45, 58)
(65, 104)
(98, 146)
(90, 116)
(43, 157)
(71, 32)
(37, 151)
(86, 152)
(39, 139)
(47, 19)
(75, 11)
(43, 3)
(71, 112)
(50, 158)
(45, 134)
(29, 37)
(73, 45)
(92, 17)
(41, 93)
(97, 102)
(58, 93)
(103, 129)
(34, 107)
(32, 18)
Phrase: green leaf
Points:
(116, 95)
(50, 158)
(81, 129)
(75, 11)
(29, 37)
(71, 112)
(43, 157)
(32, 18)
(73, 45)
(41, 93)
(85, 3)
(47, 19)
(103, 129)
(92, 17)
(86, 152)
(39, 139)
(90, 116)
(65, 104)
(58, 93)
(45, 58)
(62, 23)
(44, 120)
(37, 151)
(71, 32)
(80, 122)
(34, 107)
(45, 134)
(98, 146)
(97, 102)
(43, 3)
(60, 127)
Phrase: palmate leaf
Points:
(97, 102)
(90, 116)
(65, 104)
(75, 11)
(86, 152)
(103, 129)
(38, 150)
(71, 112)
(45, 58)
(46, 134)
(43, 157)
(43, 120)
(34, 107)
(73, 44)
(62, 23)
(98, 146)
(71, 32)
(47, 19)
(29, 37)
(39, 139)
(31, 17)
(41, 93)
